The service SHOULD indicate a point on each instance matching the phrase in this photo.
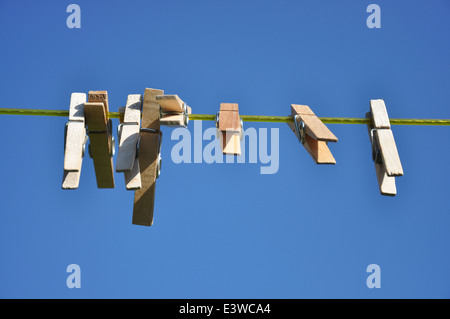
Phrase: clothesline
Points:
(245, 118)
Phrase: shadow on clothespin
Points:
(128, 135)
(101, 146)
(75, 140)
(149, 158)
(174, 111)
(229, 128)
(384, 150)
(312, 134)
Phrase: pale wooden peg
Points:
(386, 183)
(385, 139)
(149, 157)
(315, 134)
(173, 112)
(230, 128)
(384, 149)
(75, 142)
(100, 135)
(129, 136)
(380, 118)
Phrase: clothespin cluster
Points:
(140, 138)
(314, 136)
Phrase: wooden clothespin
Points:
(384, 150)
(174, 112)
(74, 142)
(101, 147)
(312, 133)
(128, 134)
(230, 126)
(149, 158)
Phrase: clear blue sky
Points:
(221, 230)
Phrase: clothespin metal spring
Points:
(376, 152)
(299, 129)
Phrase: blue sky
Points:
(222, 230)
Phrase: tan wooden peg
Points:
(384, 150)
(75, 142)
(229, 126)
(101, 147)
(174, 111)
(312, 133)
(149, 159)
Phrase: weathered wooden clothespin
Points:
(128, 134)
(101, 146)
(230, 128)
(149, 158)
(74, 142)
(312, 133)
(174, 112)
(384, 151)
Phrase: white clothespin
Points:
(128, 133)
(74, 142)
(384, 149)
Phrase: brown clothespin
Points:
(230, 128)
(174, 111)
(128, 134)
(101, 146)
(149, 158)
(312, 133)
(74, 142)
(384, 150)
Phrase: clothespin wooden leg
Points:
(75, 141)
(312, 133)
(128, 132)
(149, 159)
(100, 134)
(230, 125)
(384, 150)
(174, 112)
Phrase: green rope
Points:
(326, 120)
(245, 118)
(34, 112)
